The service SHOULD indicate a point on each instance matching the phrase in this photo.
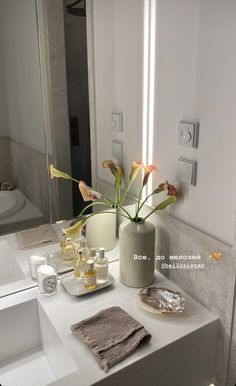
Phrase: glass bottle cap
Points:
(93, 252)
(101, 252)
(90, 265)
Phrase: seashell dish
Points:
(161, 300)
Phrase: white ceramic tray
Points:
(76, 286)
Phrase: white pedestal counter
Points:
(180, 353)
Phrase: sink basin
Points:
(10, 270)
(30, 347)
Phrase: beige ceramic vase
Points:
(101, 230)
(137, 253)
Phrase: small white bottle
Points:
(93, 254)
(101, 267)
(84, 249)
(79, 265)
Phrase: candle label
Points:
(50, 284)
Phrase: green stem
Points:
(127, 190)
(108, 202)
(97, 213)
(144, 202)
(153, 211)
(115, 196)
(121, 207)
(139, 199)
(119, 197)
(89, 206)
(73, 179)
(101, 203)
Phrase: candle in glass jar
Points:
(35, 261)
(47, 280)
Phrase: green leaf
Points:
(170, 200)
(159, 190)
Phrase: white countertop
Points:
(21, 257)
(63, 310)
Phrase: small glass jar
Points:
(47, 280)
(35, 261)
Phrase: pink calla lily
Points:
(147, 171)
(88, 194)
(136, 167)
(171, 190)
(75, 229)
(116, 170)
(58, 174)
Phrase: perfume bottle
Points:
(101, 266)
(67, 250)
(92, 254)
(90, 275)
(76, 241)
(84, 249)
(79, 265)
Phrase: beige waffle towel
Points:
(111, 335)
(37, 237)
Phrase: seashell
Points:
(165, 300)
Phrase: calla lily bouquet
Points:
(96, 198)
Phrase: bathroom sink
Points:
(10, 270)
(30, 347)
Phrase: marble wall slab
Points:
(213, 286)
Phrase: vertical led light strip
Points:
(149, 54)
(151, 99)
(145, 80)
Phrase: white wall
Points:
(118, 33)
(195, 79)
(20, 60)
(196, 61)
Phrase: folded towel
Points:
(111, 335)
(37, 237)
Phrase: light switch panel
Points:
(117, 122)
(187, 171)
(188, 133)
(117, 150)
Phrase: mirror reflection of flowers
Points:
(95, 198)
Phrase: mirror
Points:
(46, 88)
(24, 193)
(56, 101)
